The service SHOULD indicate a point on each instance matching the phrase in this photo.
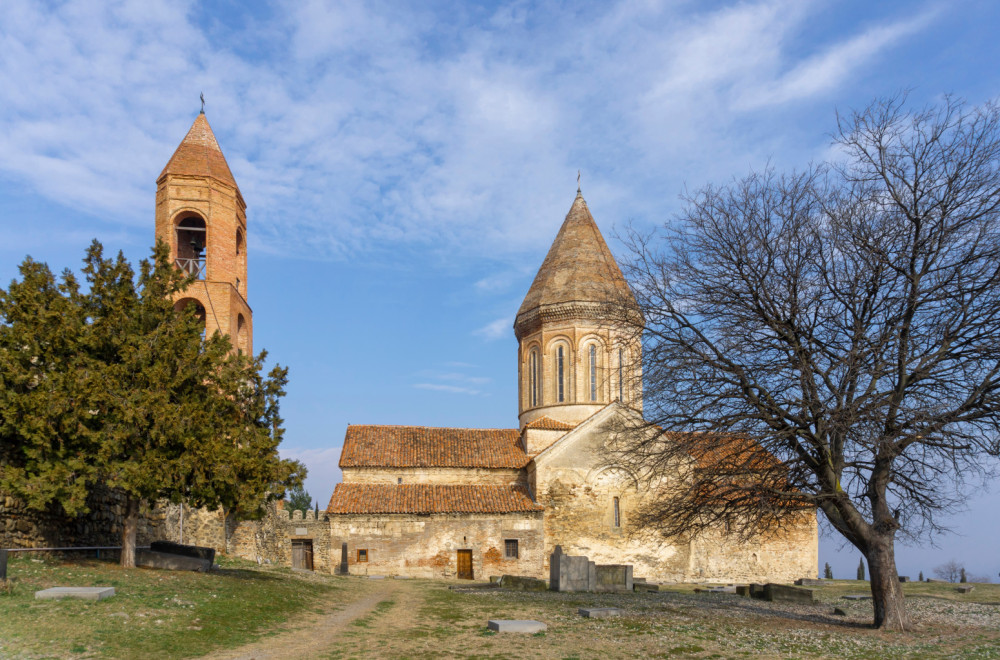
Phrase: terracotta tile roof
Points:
(549, 424)
(579, 266)
(429, 498)
(422, 446)
(199, 154)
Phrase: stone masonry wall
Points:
(426, 545)
(21, 527)
(449, 476)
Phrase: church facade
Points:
(465, 502)
(469, 503)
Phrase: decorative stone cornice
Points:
(600, 314)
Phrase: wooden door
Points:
(302, 554)
(465, 565)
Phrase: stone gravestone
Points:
(343, 559)
(569, 573)
(3, 564)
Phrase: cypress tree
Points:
(861, 570)
(828, 572)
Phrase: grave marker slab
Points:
(599, 612)
(516, 625)
(856, 597)
(83, 593)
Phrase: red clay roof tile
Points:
(421, 446)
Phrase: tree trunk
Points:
(887, 592)
(129, 529)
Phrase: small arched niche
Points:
(242, 336)
(196, 307)
(191, 242)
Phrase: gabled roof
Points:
(422, 446)
(428, 498)
(199, 154)
(548, 424)
(578, 268)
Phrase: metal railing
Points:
(194, 267)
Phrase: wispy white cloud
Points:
(361, 127)
(441, 387)
(498, 329)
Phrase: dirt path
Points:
(316, 633)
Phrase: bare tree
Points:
(831, 337)
(950, 571)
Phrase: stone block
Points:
(170, 562)
(645, 586)
(516, 626)
(571, 573)
(809, 582)
(757, 592)
(599, 612)
(172, 548)
(856, 597)
(965, 589)
(82, 593)
(522, 583)
(904, 578)
(613, 578)
(780, 593)
(743, 590)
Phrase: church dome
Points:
(579, 274)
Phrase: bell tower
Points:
(572, 359)
(201, 215)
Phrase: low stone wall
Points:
(21, 527)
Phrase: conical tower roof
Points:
(199, 154)
(579, 268)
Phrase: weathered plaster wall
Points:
(426, 545)
(579, 496)
(445, 476)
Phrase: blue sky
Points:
(406, 165)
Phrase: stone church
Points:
(463, 502)
(469, 503)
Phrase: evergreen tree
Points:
(963, 578)
(828, 572)
(298, 499)
(861, 570)
(920, 578)
(113, 387)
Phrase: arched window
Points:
(618, 513)
(239, 242)
(533, 378)
(198, 308)
(242, 336)
(191, 246)
(621, 374)
(593, 372)
(560, 374)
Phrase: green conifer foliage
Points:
(828, 572)
(861, 569)
(115, 387)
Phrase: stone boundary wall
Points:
(21, 527)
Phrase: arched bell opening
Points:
(191, 242)
(242, 336)
(198, 310)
